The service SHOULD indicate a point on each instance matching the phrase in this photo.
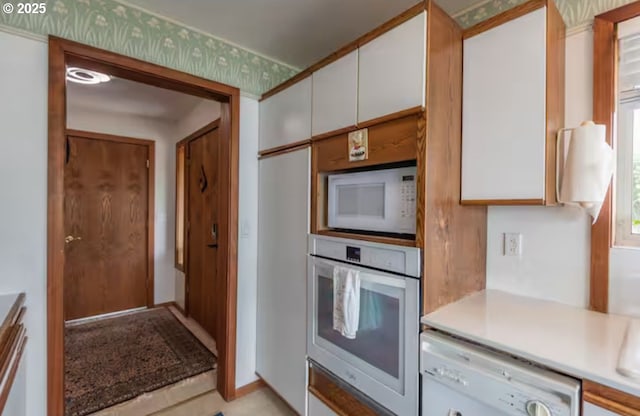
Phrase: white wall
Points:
(247, 243)
(23, 196)
(162, 133)
(556, 248)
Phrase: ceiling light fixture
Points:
(86, 76)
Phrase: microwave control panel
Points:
(408, 197)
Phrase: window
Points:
(627, 183)
(180, 205)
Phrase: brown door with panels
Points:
(202, 229)
(106, 211)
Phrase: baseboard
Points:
(250, 388)
(167, 304)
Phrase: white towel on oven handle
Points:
(346, 301)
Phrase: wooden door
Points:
(202, 219)
(106, 210)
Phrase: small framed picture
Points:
(359, 145)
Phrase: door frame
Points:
(151, 193)
(185, 142)
(62, 53)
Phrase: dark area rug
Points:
(113, 360)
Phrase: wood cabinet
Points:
(282, 274)
(285, 117)
(392, 70)
(601, 400)
(513, 105)
(335, 95)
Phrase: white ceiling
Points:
(124, 96)
(296, 32)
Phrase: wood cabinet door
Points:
(335, 95)
(282, 274)
(392, 70)
(504, 111)
(285, 117)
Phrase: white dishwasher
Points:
(462, 379)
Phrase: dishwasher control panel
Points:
(494, 380)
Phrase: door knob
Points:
(71, 238)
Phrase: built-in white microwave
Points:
(376, 200)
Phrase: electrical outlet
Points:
(512, 244)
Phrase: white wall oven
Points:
(374, 200)
(363, 318)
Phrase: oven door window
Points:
(378, 348)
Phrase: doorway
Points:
(108, 224)
(64, 53)
(202, 217)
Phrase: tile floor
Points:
(196, 396)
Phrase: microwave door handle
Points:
(380, 278)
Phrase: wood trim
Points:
(350, 47)
(369, 123)
(180, 147)
(200, 132)
(62, 52)
(227, 293)
(616, 401)
(330, 134)
(284, 151)
(169, 304)
(151, 222)
(447, 227)
(108, 137)
(374, 238)
(335, 397)
(391, 117)
(4, 396)
(503, 18)
(151, 192)
(622, 13)
(555, 95)
(326, 401)
(502, 202)
(604, 105)
(55, 228)
(250, 388)
(285, 148)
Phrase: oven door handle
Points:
(366, 275)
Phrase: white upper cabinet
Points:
(392, 70)
(505, 119)
(335, 95)
(285, 117)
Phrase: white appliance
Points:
(381, 361)
(462, 379)
(376, 200)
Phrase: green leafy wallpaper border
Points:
(574, 12)
(121, 28)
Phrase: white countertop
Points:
(571, 340)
